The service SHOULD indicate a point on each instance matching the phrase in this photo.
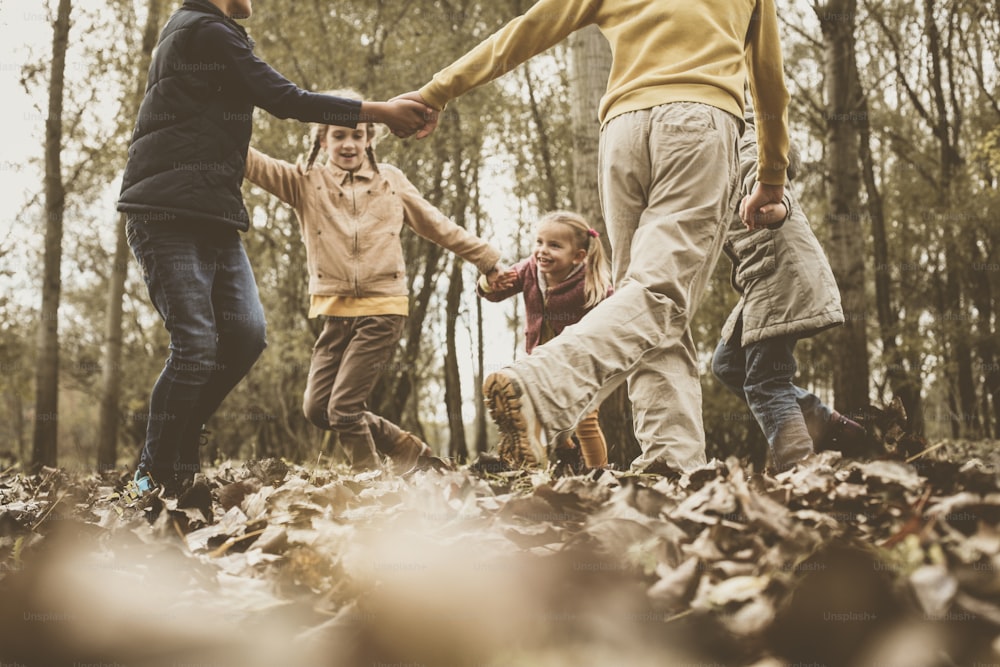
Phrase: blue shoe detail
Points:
(143, 483)
(141, 486)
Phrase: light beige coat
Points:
(783, 275)
(351, 221)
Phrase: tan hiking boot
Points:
(521, 437)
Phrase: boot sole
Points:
(518, 447)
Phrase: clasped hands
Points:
(406, 115)
(500, 278)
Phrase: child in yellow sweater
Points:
(669, 180)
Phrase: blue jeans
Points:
(761, 373)
(201, 284)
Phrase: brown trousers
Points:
(347, 360)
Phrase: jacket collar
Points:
(209, 8)
(204, 6)
(342, 176)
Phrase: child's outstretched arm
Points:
(425, 219)
(281, 179)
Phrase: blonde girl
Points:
(351, 210)
(566, 275)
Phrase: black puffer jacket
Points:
(189, 147)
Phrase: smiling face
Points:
(346, 146)
(555, 251)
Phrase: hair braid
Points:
(370, 152)
(316, 145)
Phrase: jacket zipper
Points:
(357, 249)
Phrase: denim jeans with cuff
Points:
(201, 284)
(761, 374)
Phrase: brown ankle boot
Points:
(406, 451)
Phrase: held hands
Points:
(403, 116)
(763, 206)
(431, 118)
(499, 279)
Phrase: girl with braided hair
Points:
(350, 211)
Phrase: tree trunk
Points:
(111, 380)
(111, 376)
(904, 382)
(482, 442)
(950, 162)
(550, 190)
(17, 411)
(44, 447)
(590, 65)
(457, 448)
(843, 103)
(990, 357)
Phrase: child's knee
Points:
(345, 419)
(315, 412)
(718, 366)
(725, 372)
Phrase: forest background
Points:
(895, 111)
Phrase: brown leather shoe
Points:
(406, 452)
(844, 435)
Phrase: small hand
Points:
(770, 215)
(754, 209)
(501, 280)
(431, 117)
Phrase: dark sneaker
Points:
(521, 435)
(663, 469)
(569, 460)
(197, 495)
(844, 435)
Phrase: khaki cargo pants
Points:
(669, 185)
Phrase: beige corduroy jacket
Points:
(351, 221)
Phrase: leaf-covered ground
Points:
(838, 562)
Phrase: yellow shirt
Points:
(349, 306)
(665, 51)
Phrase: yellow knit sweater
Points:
(664, 51)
